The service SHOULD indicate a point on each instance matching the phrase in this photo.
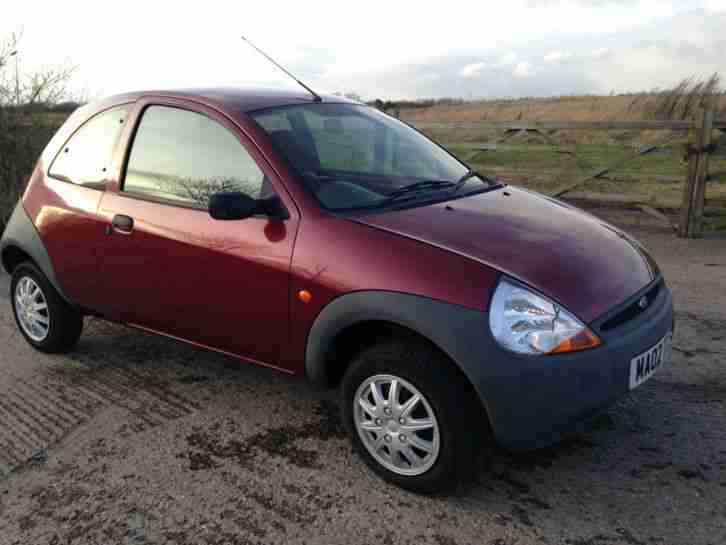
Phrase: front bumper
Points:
(530, 401)
(533, 400)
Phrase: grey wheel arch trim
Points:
(22, 234)
(454, 329)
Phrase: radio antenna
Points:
(316, 97)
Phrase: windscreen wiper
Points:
(461, 182)
(472, 174)
(408, 190)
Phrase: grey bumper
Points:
(530, 400)
(533, 400)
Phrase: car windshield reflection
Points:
(355, 157)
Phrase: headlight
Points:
(528, 323)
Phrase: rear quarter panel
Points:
(65, 215)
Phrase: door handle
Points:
(122, 224)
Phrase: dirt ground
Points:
(135, 439)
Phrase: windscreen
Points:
(352, 156)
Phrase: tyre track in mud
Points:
(37, 412)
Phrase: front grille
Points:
(632, 310)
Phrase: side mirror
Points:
(238, 206)
(232, 206)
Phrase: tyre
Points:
(46, 321)
(412, 416)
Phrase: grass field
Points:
(543, 167)
(571, 108)
(531, 161)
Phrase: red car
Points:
(323, 238)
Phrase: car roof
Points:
(233, 99)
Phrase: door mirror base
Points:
(273, 208)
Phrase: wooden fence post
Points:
(691, 224)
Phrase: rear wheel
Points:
(46, 321)
(411, 416)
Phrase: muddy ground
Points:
(135, 439)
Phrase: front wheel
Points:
(411, 416)
(46, 321)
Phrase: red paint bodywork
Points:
(574, 258)
(232, 286)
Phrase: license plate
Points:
(644, 366)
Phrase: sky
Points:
(376, 49)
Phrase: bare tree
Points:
(24, 127)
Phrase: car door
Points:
(168, 265)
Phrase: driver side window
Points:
(185, 157)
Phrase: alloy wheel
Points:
(31, 308)
(396, 424)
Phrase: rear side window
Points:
(86, 157)
(186, 157)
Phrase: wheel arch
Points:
(352, 339)
(12, 256)
(21, 242)
(357, 320)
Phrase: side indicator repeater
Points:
(305, 296)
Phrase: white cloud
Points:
(523, 69)
(329, 55)
(557, 55)
(653, 66)
(472, 70)
(509, 58)
(715, 5)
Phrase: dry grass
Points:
(683, 100)
(679, 102)
(572, 108)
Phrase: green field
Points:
(543, 167)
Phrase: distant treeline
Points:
(421, 103)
